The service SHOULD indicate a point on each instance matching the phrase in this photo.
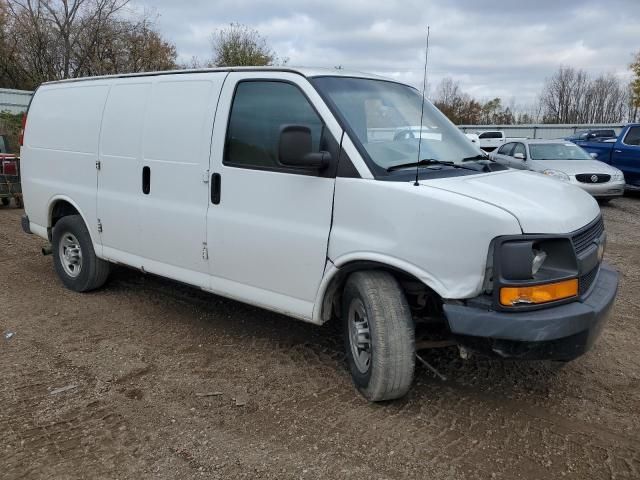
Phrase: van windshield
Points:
(385, 118)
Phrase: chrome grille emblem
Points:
(594, 178)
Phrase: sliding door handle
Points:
(215, 188)
(146, 180)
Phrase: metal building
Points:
(14, 101)
(540, 130)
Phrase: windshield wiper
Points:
(422, 163)
(477, 157)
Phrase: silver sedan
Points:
(563, 161)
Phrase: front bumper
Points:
(555, 333)
(605, 190)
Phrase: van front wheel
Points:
(74, 257)
(379, 335)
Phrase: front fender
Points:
(371, 260)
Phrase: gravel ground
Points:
(165, 381)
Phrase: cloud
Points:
(494, 47)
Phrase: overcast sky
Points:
(493, 47)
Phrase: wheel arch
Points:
(337, 273)
(61, 206)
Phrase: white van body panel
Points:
(61, 150)
(432, 243)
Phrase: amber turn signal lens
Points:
(549, 292)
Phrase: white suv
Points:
(290, 189)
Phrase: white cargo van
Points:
(265, 185)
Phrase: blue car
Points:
(622, 152)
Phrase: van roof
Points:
(304, 71)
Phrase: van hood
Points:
(539, 203)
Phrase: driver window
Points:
(520, 149)
(506, 149)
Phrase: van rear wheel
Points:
(379, 335)
(74, 257)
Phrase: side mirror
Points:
(593, 155)
(295, 149)
(519, 156)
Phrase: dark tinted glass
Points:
(604, 133)
(520, 149)
(491, 135)
(259, 111)
(506, 149)
(633, 136)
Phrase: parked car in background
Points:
(491, 139)
(594, 134)
(622, 152)
(474, 137)
(413, 132)
(4, 144)
(8, 161)
(563, 161)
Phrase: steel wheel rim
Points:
(359, 336)
(70, 255)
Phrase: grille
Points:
(585, 281)
(585, 237)
(590, 177)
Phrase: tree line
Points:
(570, 95)
(43, 40)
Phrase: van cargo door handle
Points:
(215, 188)
(146, 180)
(618, 151)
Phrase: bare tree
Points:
(572, 96)
(461, 108)
(240, 45)
(56, 39)
(634, 89)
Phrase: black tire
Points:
(377, 295)
(92, 272)
(604, 201)
(5, 201)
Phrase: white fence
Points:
(14, 101)
(547, 131)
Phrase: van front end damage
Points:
(562, 332)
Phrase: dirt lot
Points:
(142, 351)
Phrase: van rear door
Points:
(268, 225)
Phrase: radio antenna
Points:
(424, 90)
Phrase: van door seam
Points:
(333, 203)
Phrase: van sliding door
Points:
(173, 177)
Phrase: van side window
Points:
(260, 109)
